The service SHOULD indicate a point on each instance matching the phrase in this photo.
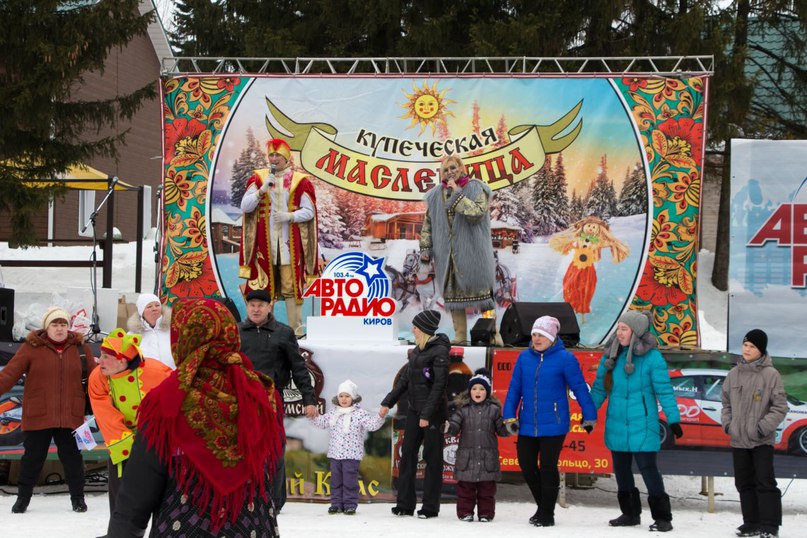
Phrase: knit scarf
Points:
(212, 422)
(347, 413)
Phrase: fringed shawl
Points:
(213, 422)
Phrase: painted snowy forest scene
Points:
(536, 223)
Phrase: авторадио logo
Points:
(353, 284)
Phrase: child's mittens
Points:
(511, 425)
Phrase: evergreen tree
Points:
(45, 48)
(562, 218)
(505, 205)
(577, 208)
(602, 201)
(353, 211)
(633, 197)
(542, 200)
(329, 219)
(251, 158)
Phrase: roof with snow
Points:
(384, 217)
(501, 225)
(218, 215)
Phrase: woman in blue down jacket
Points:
(541, 377)
(633, 376)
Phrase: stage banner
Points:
(596, 183)
(768, 268)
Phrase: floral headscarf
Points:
(213, 420)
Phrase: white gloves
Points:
(267, 184)
(282, 216)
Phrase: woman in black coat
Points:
(424, 380)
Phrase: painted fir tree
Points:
(577, 207)
(329, 220)
(251, 158)
(560, 189)
(602, 201)
(542, 202)
(633, 197)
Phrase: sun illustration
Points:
(427, 106)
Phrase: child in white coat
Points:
(348, 423)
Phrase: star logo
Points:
(371, 269)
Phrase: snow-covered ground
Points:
(586, 515)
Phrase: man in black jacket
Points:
(272, 348)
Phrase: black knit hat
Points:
(481, 377)
(759, 339)
(261, 295)
(427, 321)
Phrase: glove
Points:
(446, 426)
(588, 425)
(282, 216)
(266, 184)
(677, 431)
(511, 425)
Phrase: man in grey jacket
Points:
(754, 404)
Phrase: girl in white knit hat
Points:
(348, 423)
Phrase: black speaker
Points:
(483, 331)
(6, 314)
(519, 317)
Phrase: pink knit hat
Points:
(547, 326)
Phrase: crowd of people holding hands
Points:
(196, 439)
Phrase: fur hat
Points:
(547, 326)
(279, 146)
(481, 377)
(144, 300)
(261, 295)
(759, 339)
(427, 321)
(52, 314)
(641, 341)
(123, 346)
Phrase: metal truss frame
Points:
(661, 66)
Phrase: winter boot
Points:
(21, 505)
(546, 513)
(631, 506)
(661, 512)
(78, 504)
(460, 327)
(535, 516)
(747, 529)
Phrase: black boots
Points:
(661, 512)
(631, 506)
(78, 504)
(21, 505)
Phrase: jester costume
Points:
(208, 438)
(116, 399)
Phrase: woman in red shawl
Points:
(207, 438)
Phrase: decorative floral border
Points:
(194, 112)
(670, 116)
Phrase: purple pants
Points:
(344, 483)
(479, 494)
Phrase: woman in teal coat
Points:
(633, 376)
